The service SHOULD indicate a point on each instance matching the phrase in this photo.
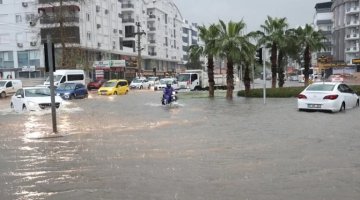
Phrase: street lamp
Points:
(139, 49)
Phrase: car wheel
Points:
(11, 105)
(342, 108)
(71, 97)
(357, 103)
(86, 96)
(115, 93)
(3, 95)
(141, 87)
(24, 108)
(126, 92)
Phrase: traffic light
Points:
(259, 56)
(47, 56)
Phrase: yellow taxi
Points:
(114, 87)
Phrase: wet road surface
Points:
(131, 148)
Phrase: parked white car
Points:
(9, 87)
(139, 83)
(162, 83)
(153, 80)
(33, 99)
(329, 96)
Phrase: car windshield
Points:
(67, 86)
(137, 81)
(165, 81)
(183, 77)
(2, 83)
(321, 87)
(37, 92)
(109, 84)
(152, 78)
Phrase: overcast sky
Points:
(254, 12)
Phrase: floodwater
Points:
(132, 148)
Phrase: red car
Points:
(96, 84)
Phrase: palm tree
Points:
(208, 36)
(233, 45)
(310, 41)
(274, 29)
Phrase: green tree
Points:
(310, 41)
(272, 35)
(235, 46)
(209, 36)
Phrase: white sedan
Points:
(329, 96)
(162, 84)
(139, 83)
(33, 99)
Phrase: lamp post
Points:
(139, 49)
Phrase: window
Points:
(1, 2)
(18, 18)
(88, 17)
(6, 59)
(75, 77)
(88, 35)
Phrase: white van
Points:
(67, 76)
(9, 87)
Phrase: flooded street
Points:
(132, 148)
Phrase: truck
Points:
(198, 80)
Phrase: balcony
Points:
(152, 53)
(55, 1)
(127, 5)
(354, 36)
(152, 29)
(352, 10)
(54, 20)
(352, 50)
(352, 23)
(128, 20)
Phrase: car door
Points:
(351, 95)
(344, 90)
(17, 100)
(9, 88)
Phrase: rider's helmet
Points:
(168, 85)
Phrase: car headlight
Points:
(31, 104)
(67, 93)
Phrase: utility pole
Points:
(51, 75)
(139, 49)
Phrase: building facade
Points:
(323, 22)
(346, 35)
(189, 37)
(92, 31)
(19, 39)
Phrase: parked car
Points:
(329, 96)
(96, 84)
(337, 78)
(153, 80)
(114, 87)
(9, 87)
(33, 99)
(139, 83)
(162, 83)
(71, 91)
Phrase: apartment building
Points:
(189, 37)
(102, 31)
(19, 39)
(323, 22)
(346, 35)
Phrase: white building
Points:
(189, 37)
(19, 41)
(104, 30)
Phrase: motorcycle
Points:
(173, 99)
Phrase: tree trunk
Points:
(307, 59)
(247, 80)
(211, 75)
(273, 65)
(281, 69)
(230, 79)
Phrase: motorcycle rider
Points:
(167, 93)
